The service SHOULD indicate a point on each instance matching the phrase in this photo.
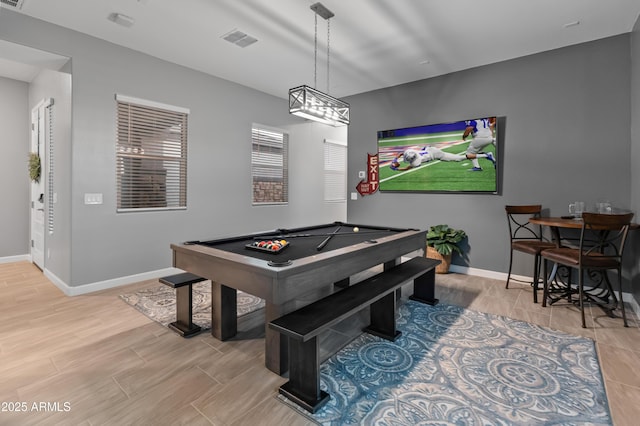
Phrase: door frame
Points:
(38, 200)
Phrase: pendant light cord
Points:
(328, 50)
(315, 52)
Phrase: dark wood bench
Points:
(183, 283)
(305, 324)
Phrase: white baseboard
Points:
(103, 285)
(97, 286)
(11, 259)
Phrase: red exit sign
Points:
(369, 186)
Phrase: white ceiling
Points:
(24, 63)
(373, 43)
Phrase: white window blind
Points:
(269, 165)
(335, 171)
(151, 151)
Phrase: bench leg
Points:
(424, 288)
(224, 311)
(383, 318)
(184, 325)
(303, 386)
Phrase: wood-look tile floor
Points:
(94, 360)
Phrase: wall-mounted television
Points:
(456, 157)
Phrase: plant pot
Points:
(442, 268)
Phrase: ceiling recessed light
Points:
(425, 62)
(571, 24)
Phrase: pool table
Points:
(302, 267)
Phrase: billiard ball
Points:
(356, 229)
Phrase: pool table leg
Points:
(224, 311)
(388, 265)
(344, 283)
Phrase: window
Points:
(335, 171)
(151, 155)
(269, 165)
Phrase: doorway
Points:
(40, 144)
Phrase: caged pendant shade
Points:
(312, 104)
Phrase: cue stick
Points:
(326, 240)
(285, 236)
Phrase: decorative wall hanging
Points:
(369, 186)
(35, 167)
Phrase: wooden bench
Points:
(183, 282)
(305, 324)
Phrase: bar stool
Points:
(602, 241)
(183, 283)
(527, 238)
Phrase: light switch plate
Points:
(93, 198)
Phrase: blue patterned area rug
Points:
(460, 367)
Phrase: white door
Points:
(38, 201)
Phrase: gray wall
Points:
(635, 149)
(14, 176)
(306, 181)
(567, 137)
(57, 85)
(105, 245)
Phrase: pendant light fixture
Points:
(310, 103)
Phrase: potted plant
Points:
(442, 242)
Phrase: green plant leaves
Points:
(445, 239)
(35, 167)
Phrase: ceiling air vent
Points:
(15, 4)
(239, 38)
